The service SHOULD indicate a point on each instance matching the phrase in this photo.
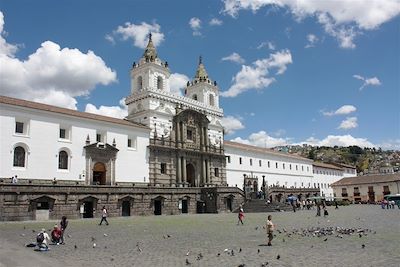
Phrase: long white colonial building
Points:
(165, 141)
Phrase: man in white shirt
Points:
(41, 240)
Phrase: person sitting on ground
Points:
(56, 235)
(41, 240)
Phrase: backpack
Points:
(40, 238)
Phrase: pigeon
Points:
(363, 246)
(200, 256)
(326, 239)
(164, 236)
(264, 264)
(258, 250)
(278, 257)
(360, 235)
(93, 239)
(69, 236)
(22, 234)
(242, 265)
(240, 250)
(168, 236)
(187, 254)
(283, 240)
(24, 227)
(75, 246)
(105, 235)
(232, 253)
(112, 259)
(33, 230)
(219, 254)
(94, 245)
(256, 228)
(187, 262)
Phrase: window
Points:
(269, 165)
(189, 134)
(98, 137)
(283, 165)
(140, 83)
(308, 169)
(63, 160)
(159, 82)
(228, 158)
(297, 168)
(19, 127)
(211, 100)
(290, 166)
(276, 165)
(259, 162)
(195, 97)
(163, 168)
(251, 162)
(131, 142)
(240, 160)
(302, 168)
(216, 172)
(62, 133)
(19, 157)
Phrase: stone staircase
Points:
(258, 205)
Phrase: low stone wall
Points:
(22, 201)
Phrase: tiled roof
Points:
(368, 179)
(327, 166)
(44, 107)
(344, 165)
(262, 150)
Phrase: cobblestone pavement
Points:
(179, 240)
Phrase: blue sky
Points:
(317, 72)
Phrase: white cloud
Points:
(343, 110)
(5, 48)
(139, 33)
(52, 74)
(257, 75)
(231, 124)
(234, 57)
(348, 123)
(341, 19)
(120, 111)
(110, 38)
(339, 140)
(262, 139)
(312, 40)
(270, 45)
(195, 24)
(391, 144)
(215, 22)
(177, 81)
(374, 81)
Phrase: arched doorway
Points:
(190, 174)
(99, 174)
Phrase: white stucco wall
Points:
(43, 145)
(288, 176)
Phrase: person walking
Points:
(318, 210)
(240, 215)
(63, 226)
(104, 215)
(270, 230)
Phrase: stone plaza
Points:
(214, 240)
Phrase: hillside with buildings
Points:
(367, 160)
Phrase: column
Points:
(184, 169)
(208, 171)
(178, 134)
(178, 170)
(204, 172)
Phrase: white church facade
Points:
(168, 156)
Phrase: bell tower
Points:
(202, 88)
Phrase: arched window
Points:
(195, 97)
(63, 160)
(211, 100)
(159, 82)
(139, 83)
(19, 157)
